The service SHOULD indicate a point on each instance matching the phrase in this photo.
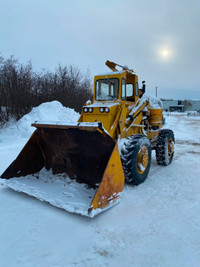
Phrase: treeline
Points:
(21, 88)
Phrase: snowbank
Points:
(50, 111)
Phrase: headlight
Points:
(85, 110)
(90, 110)
(101, 110)
(107, 110)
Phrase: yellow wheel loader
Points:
(81, 167)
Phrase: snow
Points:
(155, 224)
(58, 190)
(45, 112)
(66, 123)
(154, 102)
(103, 104)
(186, 129)
(110, 73)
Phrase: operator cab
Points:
(118, 85)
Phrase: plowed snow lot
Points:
(155, 224)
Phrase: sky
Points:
(160, 40)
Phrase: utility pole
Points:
(156, 91)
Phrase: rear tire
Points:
(165, 147)
(136, 159)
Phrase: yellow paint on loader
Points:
(112, 183)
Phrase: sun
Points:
(165, 53)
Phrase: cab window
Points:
(136, 89)
(107, 89)
(123, 89)
(129, 89)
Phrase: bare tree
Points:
(21, 88)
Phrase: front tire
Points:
(136, 159)
(165, 147)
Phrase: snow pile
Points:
(50, 111)
(155, 102)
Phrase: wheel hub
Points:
(170, 147)
(142, 159)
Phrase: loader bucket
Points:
(76, 167)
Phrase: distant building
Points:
(180, 105)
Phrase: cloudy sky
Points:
(160, 40)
